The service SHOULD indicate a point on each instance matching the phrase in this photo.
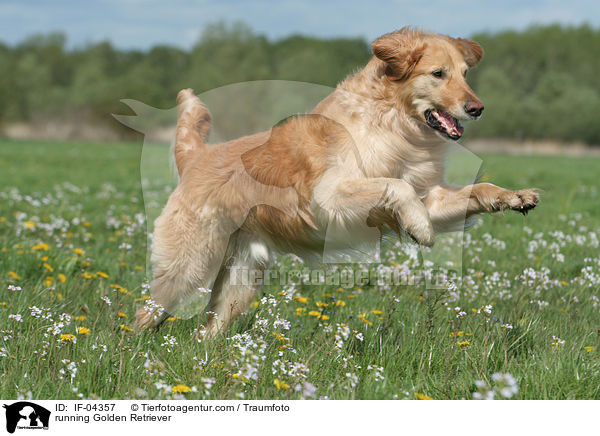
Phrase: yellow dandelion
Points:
(421, 396)
(280, 384)
(341, 303)
(83, 330)
(363, 317)
(588, 349)
(181, 389)
(464, 343)
(29, 225)
(48, 267)
(300, 299)
(300, 311)
(314, 313)
(88, 276)
(139, 268)
(79, 318)
(254, 304)
(377, 312)
(78, 251)
(324, 317)
(102, 274)
(41, 246)
(13, 275)
(173, 318)
(120, 288)
(44, 258)
(87, 224)
(321, 304)
(127, 329)
(48, 281)
(62, 278)
(121, 315)
(3, 304)
(457, 334)
(68, 337)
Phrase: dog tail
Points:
(193, 125)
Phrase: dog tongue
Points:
(449, 123)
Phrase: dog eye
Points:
(438, 74)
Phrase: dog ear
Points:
(471, 50)
(400, 50)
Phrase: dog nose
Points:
(474, 108)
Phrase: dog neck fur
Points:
(389, 141)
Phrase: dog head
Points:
(426, 76)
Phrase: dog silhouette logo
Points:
(26, 415)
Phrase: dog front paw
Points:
(520, 201)
(418, 226)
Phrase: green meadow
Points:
(521, 320)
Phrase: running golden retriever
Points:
(371, 152)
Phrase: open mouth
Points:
(444, 123)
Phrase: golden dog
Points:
(372, 151)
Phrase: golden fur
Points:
(364, 155)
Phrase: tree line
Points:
(540, 83)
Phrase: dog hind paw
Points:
(145, 320)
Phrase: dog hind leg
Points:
(238, 282)
(186, 255)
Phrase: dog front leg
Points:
(382, 201)
(449, 205)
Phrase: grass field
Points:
(523, 321)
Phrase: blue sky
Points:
(144, 23)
